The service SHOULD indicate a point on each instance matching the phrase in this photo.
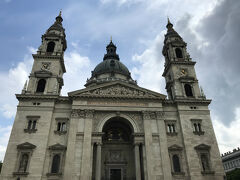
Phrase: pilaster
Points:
(148, 144)
(86, 153)
(166, 166)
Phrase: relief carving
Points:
(98, 116)
(138, 119)
(119, 91)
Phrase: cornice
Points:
(193, 101)
(187, 101)
(42, 97)
(114, 97)
(47, 56)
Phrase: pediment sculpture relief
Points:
(119, 90)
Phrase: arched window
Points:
(199, 127)
(23, 163)
(55, 163)
(188, 90)
(34, 124)
(178, 52)
(50, 46)
(29, 124)
(59, 126)
(205, 163)
(63, 127)
(41, 85)
(195, 127)
(176, 163)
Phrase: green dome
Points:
(110, 66)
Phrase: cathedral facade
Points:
(112, 129)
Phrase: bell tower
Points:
(46, 76)
(179, 72)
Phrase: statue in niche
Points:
(23, 163)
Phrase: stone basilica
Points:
(112, 129)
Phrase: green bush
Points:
(233, 175)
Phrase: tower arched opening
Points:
(188, 90)
(41, 85)
(178, 52)
(50, 47)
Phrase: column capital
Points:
(83, 113)
(89, 113)
(159, 114)
(148, 115)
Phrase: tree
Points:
(233, 175)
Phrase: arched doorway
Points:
(118, 158)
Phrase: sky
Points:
(211, 29)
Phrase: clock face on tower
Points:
(183, 72)
(45, 66)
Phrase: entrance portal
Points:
(117, 150)
(115, 174)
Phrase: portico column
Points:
(98, 162)
(137, 161)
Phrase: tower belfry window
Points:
(188, 90)
(41, 85)
(178, 52)
(50, 46)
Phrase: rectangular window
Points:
(171, 127)
(31, 125)
(197, 126)
(203, 152)
(61, 126)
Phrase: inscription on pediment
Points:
(119, 91)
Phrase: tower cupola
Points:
(111, 52)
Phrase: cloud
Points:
(12, 83)
(78, 70)
(5, 133)
(226, 135)
(151, 64)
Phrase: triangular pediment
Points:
(26, 145)
(202, 147)
(175, 147)
(57, 147)
(117, 89)
(43, 73)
